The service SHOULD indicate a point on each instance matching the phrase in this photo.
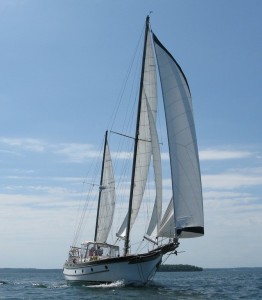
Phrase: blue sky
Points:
(62, 66)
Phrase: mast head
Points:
(147, 19)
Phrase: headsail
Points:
(106, 203)
(184, 161)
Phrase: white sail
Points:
(184, 161)
(144, 150)
(107, 199)
(157, 210)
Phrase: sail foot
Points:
(190, 232)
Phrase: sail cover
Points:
(184, 161)
(144, 149)
(107, 200)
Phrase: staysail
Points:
(184, 161)
(106, 203)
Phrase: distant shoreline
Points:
(61, 269)
(179, 268)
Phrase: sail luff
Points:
(184, 161)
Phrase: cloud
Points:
(76, 152)
(28, 144)
(72, 152)
(122, 155)
(80, 152)
(238, 178)
(216, 154)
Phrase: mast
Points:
(100, 186)
(126, 247)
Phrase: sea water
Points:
(239, 283)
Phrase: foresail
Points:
(144, 149)
(184, 161)
(107, 199)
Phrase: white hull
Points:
(130, 269)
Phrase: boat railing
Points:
(91, 251)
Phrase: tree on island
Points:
(178, 268)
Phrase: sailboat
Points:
(98, 261)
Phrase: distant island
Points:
(178, 268)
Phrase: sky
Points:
(62, 66)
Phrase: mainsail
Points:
(106, 203)
(183, 152)
(144, 147)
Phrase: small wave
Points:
(115, 284)
(39, 285)
(3, 282)
(59, 286)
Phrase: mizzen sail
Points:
(106, 203)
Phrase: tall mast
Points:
(136, 141)
(100, 186)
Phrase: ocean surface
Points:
(240, 283)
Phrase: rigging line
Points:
(130, 137)
(82, 218)
(118, 133)
(120, 97)
(94, 170)
(78, 213)
(141, 246)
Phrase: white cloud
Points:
(76, 152)
(73, 152)
(216, 154)
(28, 144)
(79, 152)
(233, 179)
